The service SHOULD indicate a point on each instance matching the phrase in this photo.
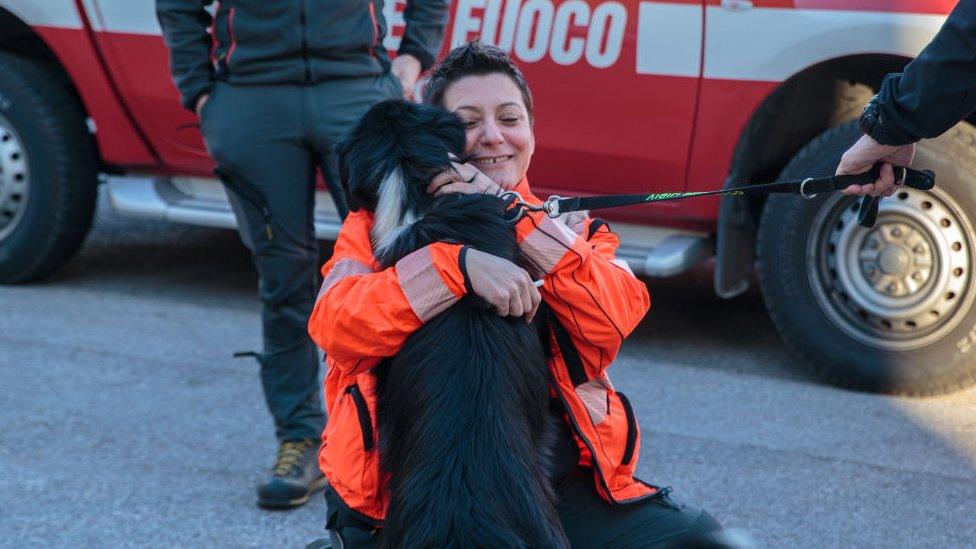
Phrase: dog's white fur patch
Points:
(390, 219)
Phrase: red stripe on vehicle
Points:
(213, 35)
(376, 28)
(233, 38)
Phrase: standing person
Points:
(286, 81)
(935, 92)
(364, 314)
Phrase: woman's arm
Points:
(595, 296)
(184, 24)
(424, 33)
(362, 314)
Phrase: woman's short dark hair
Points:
(473, 59)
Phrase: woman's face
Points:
(500, 141)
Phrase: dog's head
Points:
(391, 156)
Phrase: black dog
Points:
(462, 409)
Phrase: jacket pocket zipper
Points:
(631, 430)
(249, 193)
(302, 21)
(362, 412)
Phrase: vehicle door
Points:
(130, 41)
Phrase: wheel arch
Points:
(18, 38)
(803, 106)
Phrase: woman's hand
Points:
(464, 179)
(504, 285)
(861, 158)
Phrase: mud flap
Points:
(735, 249)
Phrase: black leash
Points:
(807, 188)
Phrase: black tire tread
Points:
(72, 165)
(954, 380)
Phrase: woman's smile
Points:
(491, 160)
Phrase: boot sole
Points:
(283, 504)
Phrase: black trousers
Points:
(588, 520)
(269, 140)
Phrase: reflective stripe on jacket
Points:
(364, 314)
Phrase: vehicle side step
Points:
(649, 251)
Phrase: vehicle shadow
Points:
(689, 324)
(160, 260)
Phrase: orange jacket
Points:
(364, 314)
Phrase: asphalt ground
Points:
(124, 421)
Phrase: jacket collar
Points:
(522, 187)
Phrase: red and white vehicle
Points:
(631, 96)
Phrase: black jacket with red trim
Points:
(289, 42)
(935, 91)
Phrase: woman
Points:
(363, 315)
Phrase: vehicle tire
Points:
(48, 171)
(888, 309)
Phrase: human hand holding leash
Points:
(464, 179)
(505, 286)
(861, 157)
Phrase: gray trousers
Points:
(268, 141)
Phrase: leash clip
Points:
(551, 206)
(518, 205)
(803, 193)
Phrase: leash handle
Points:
(922, 180)
(867, 212)
(810, 187)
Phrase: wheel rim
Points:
(14, 179)
(901, 285)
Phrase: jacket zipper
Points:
(376, 29)
(571, 358)
(596, 462)
(248, 193)
(362, 412)
(301, 21)
(631, 430)
(589, 445)
(233, 38)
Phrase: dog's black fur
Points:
(462, 409)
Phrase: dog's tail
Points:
(462, 445)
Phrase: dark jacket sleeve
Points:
(936, 90)
(184, 24)
(424, 34)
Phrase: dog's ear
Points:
(397, 136)
(451, 131)
(367, 156)
(429, 136)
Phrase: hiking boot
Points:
(296, 476)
